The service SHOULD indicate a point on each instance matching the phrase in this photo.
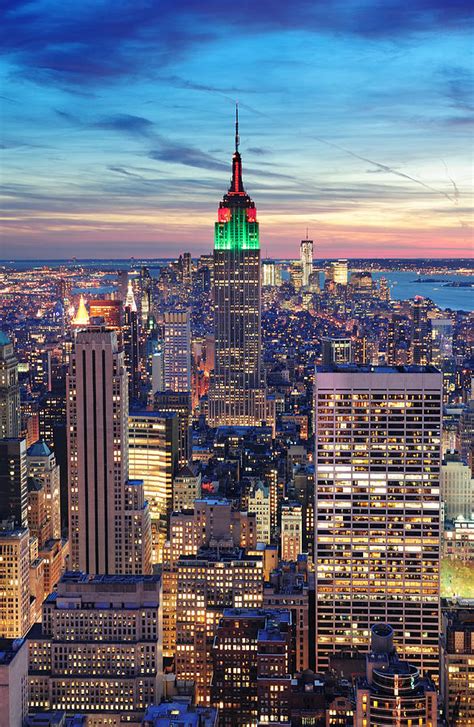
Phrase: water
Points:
(402, 284)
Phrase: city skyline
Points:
(354, 124)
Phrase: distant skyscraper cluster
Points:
(234, 492)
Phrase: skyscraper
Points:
(109, 521)
(377, 508)
(306, 258)
(13, 482)
(237, 394)
(9, 390)
(177, 350)
(421, 343)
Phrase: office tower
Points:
(251, 661)
(466, 434)
(456, 681)
(39, 522)
(81, 317)
(41, 464)
(98, 648)
(377, 462)
(186, 488)
(207, 583)
(180, 404)
(421, 340)
(153, 457)
(296, 275)
(122, 285)
(109, 520)
(302, 491)
(269, 273)
(9, 390)
(146, 283)
(52, 418)
(186, 268)
(13, 682)
(306, 259)
(291, 588)
(291, 538)
(13, 482)
(384, 290)
(131, 341)
(258, 501)
(336, 350)
(14, 582)
(457, 487)
(106, 311)
(338, 272)
(236, 393)
(392, 692)
(177, 351)
(158, 368)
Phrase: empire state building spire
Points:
(236, 186)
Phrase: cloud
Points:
(128, 123)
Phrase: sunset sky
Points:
(117, 125)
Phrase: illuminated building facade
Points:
(457, 657)
(392, 692)
(109, 520)
(336, 350)
(457, 487)
(13, 682)
(338, 272)
(306, 259)
(110, 312)
(153, 457)
(258, 501)
(177, 350)
(179, 403)
(98, 648)
(41, 464)
(251, 666)
(237, 393)
(186, 488)
(291, 538)
(421, 341)
(206, 584)
(14, 582)
(377, 508)
(9, 390)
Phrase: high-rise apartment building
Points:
(98, 648)
(14, 582)
(13, 482)
(421, 340)
(41, 464)
(9, 390)
(237, 393)
(153, 458)
(251, 663)
(177, 351)
(207, 583)
(457, 487)
(306, 259)
(457, 655)
(109, 520)
(377, 508)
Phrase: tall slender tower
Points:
(306, 258)
(9, 389)
(109, 520)
(237, 394)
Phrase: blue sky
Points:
(356, 122)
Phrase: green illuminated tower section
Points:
(237, 393)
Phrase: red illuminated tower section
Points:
(237, 392)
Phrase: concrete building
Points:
(98, 648)
(153, 458)
(182, 714)
(13, 682)
(251, 666)
(336, 350)
(291, 536)
(392, 692)
(258, 501)
(41, 464)
(9, 390)
(177, 351)
(14, 582)
(457, 657)
(13, 482)
(377, 505)
(186, 488)
(109, 520)
(457, 487)
(207, 583)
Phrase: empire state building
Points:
(237, 391)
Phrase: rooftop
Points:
(39, 449)
(352, 368)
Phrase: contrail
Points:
(388, 169)
(457, 193)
